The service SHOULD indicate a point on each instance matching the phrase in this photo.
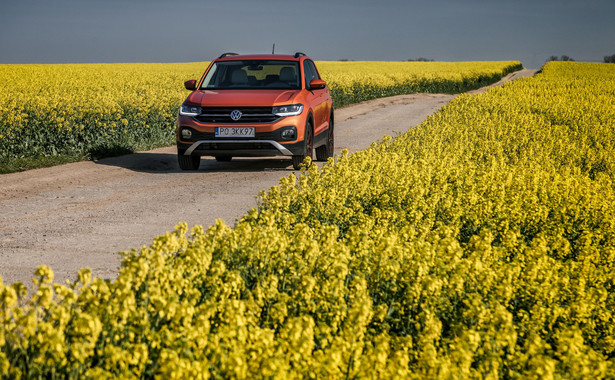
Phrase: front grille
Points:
(250, 115)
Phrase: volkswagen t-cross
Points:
(256, 105)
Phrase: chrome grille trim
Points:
(275, 144)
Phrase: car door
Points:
(319, 98)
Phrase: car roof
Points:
(284, 57)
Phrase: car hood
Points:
(246, 98)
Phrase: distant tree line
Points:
(562, 58)
(407, 60)
(607, 58)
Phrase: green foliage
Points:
(480, 244)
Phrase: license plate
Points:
(234, 131)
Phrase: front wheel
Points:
(324, 152)
(188, 162)
(309, 148)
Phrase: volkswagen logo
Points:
(236, 115)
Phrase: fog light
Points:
(289, 134)
(186, 133)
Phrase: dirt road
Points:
(82, 214)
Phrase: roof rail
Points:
(299, 54)
(227, 54)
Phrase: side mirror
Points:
(317, 84)
(190, 84)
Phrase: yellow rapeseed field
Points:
(480, 244)
(89, 110)
(95, 110)
(352, 82)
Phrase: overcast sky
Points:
(85, 31)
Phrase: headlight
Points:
(289, 110)
(187, 110)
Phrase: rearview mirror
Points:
(190, 84)
(317, 84)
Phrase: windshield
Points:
(253, 74)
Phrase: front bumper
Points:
(239, 148)
(267, 141)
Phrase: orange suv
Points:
(256, 105)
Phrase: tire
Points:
(309, 147)
(188, 162)
(324, 152)
(223, 158)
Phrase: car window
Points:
(310, 72)
(314, 71)
(252, 74)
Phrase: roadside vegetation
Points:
(480, 244)
(52, 114)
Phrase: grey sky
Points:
(83, 31)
